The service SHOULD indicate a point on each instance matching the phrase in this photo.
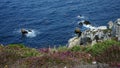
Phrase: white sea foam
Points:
(102, 27)
(80, 17)
(95, 28)
(89, 26)
(82, 21)
(31, 34)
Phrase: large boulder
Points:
(118, 21)
(78, 32)
(24, 31)
(86, 22)
(75, 41)
(110, 24)
(116, 28)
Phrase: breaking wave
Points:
(31, 34)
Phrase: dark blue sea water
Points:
(53, 21)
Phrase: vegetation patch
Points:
(20, 56)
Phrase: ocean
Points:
(52, 21)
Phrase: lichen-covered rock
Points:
(98, 34)
(73, 42)
(116, 29)
(110, 24)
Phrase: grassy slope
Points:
(23, 57)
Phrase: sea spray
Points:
(30, 34)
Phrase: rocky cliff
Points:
(96, 34)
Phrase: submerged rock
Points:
(24, 31)
(84, 22)
(87, 22)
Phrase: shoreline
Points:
(94, 35)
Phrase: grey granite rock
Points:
(110, 24)
(116, 29)
(101, 34)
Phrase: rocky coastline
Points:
(94, 35)
(105, 54)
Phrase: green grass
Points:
(16, 45)
(75, 48)
(62, 48)
(12, 53)
(100, 47)
(23, 50)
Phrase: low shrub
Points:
(75, 48)
(22, 50)
(100, 47)
(62, 48)
(16, 45)
(111, 55)
(11, 53)
(8, 57)
(57, 59)
(24, 57)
